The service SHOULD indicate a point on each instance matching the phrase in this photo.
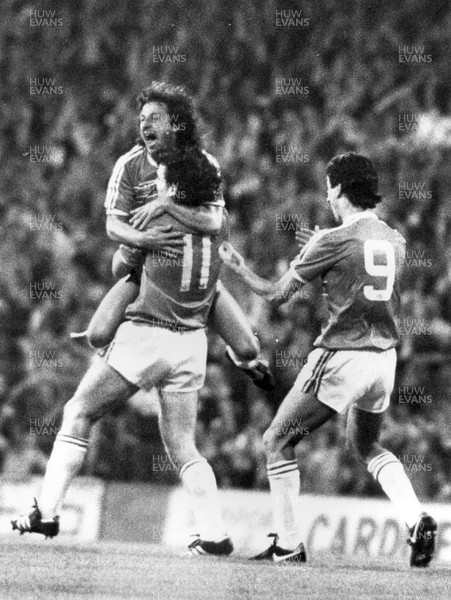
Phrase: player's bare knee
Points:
(99, 337)
(246, 348)
(249, 348)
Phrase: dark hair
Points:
(196, 179)
(180, 108)
(358, 178)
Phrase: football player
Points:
(162, 344)
(354, 360)
(138, 192)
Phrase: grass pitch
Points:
(35, 570)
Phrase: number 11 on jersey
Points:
(189, 279)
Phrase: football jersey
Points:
(135, 180)
(177, 293)
(359, 263)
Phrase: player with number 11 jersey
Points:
(183, 299)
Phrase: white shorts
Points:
(340, 378)
(151, 357)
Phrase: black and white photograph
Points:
(225, 299)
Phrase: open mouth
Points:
(150, 137)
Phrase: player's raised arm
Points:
(277, 292)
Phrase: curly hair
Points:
(180, 108)
(357, 177)
(196, 179)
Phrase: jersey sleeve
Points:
(119, 197)
(316, 257)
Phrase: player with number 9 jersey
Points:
(360, 262)
(352, 369)
(177, 293)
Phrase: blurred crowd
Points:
(56, 257)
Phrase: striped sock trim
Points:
(318, 371)
(379, 462)
(190, 464)
(71, 439)
(282, 468)
(196, 550)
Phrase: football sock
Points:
(200, 483)
(284, 482)
(242, 364)
(64, 463)
(389, 472)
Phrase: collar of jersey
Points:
(360, 215)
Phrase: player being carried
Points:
(354, 360)
(138, 193)
(162, 343)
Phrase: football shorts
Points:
(340, 378)
(149, 357)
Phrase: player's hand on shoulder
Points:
(142, 215)
(304, 235)
(162, 238)
(231, 257)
